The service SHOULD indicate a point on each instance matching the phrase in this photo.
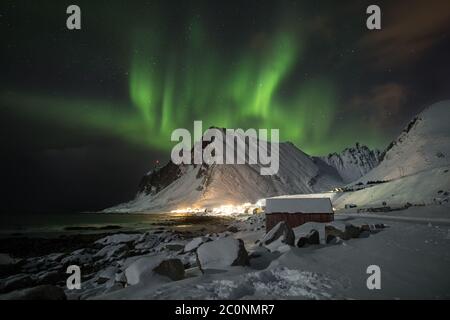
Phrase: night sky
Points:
(84, 114)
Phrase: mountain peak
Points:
(207, 186)
(353, 162)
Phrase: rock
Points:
(302, 241)
(77, 257)
(51, 277)
(172, 268)
(119, 238)
(112, 250)
(259, 251)
(121, 278)
(174, 247)
(364, 234)
(331, 239)
(55, 257)
(352, 231)
(195, 243)
(281, 230)
(107, 274)
(313, 237)
(221, 254)
(43, 292)
(335, 232)
(146, 267)
(233, 229)
(147, 241)
(16, 282)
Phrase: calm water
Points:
(55, 224)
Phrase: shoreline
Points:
(53, 225)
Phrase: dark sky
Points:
(84, 114)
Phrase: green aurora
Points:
(171, 85)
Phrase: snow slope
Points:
(214, 185)
(416, 166)
(423, 145)
(423, 188)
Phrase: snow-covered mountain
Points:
(424, 144)
(415, 168)
(204, 186)
(354, 162)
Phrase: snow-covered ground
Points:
(414, 258)
(426, 187)
(412, 248)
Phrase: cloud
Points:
(409, 29)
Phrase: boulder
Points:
(174, 247)
(331, 230)
(172, 268)
(16, 282)
(364, 234)
(43, 292)
(147, 267)
(221, 254)
(348, 232)
(331, 239)
(51, 277)
(195, 243)
(78, 257)
(119, 238)
(112, 250)
(352, 231)
(106, 274)
(120, 278)
(281, 231)
(313, 237)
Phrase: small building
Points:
(297, 210)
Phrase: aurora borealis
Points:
(135, 72)
(192, 77)
(197, 82)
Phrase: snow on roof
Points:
(299, 204)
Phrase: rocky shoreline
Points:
(30, 261)
(113, 261)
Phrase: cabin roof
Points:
(292, 204)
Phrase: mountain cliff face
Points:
(352, 163)
(205, 186)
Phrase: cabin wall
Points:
(296, 219)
